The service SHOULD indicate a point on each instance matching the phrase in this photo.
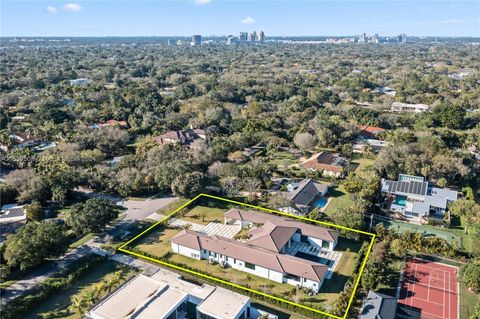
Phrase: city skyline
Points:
(222, 18)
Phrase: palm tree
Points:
(89, 296)
(77, 305)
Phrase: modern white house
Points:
(409, 108)
(415, 198)
(165, 295)
(79, 82)
(278, 267)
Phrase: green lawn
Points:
(363, 166)
(468, 300)
(173, 206)
(340, 199)
(203, 215)
(58, 305)
(81, 241)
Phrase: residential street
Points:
(136, 210)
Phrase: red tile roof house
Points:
(264, 253)
(370, 131)
(191, 138)
(331, 164)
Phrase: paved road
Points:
(141, 209)
(23, 286)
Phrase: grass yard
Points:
(81, 241)
(58, 305)
(203, 215)
(340, 199)
(284, 159)
(173, 206)
(468, 300)
(363, 165)
(331, 287)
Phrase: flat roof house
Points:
(415, 198)
(331, 164)
(303, 195)
(410, 108)
(165, 295)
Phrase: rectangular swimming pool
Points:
(320, 202)
(320, 260)
(400, 200)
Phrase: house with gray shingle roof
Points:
(415, 198)
(378, 306)
(303, 195)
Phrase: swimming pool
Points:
(320, 260)
(320, 202)
(400, 200)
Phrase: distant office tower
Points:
(231, 40)
(402, 38)
(196, 40)
(375, 38)
(252, 37)
(170, 42)
(363, 38)
(243, 37)
(261, 37)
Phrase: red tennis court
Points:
(429, 290)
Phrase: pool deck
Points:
(332, 255)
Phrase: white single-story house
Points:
(252, 259)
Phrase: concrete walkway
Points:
(228, 231)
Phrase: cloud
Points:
(52, 9)
(201, 2)
(248, 20)
(72, 7)
(453, 21)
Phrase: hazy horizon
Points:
(219, 18)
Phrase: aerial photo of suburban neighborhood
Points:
(213, 159)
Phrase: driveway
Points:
(141, 209)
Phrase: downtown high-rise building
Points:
(196, 40)
(252, 37)
(261, 37)
(375, 38)
(402, 38)
(362, 38)
(243, 37)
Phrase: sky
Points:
(223, 17)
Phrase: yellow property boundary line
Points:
(122, 249)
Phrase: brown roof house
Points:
(191, 138)
(278, 248)
(331, 164)
(281, 268)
